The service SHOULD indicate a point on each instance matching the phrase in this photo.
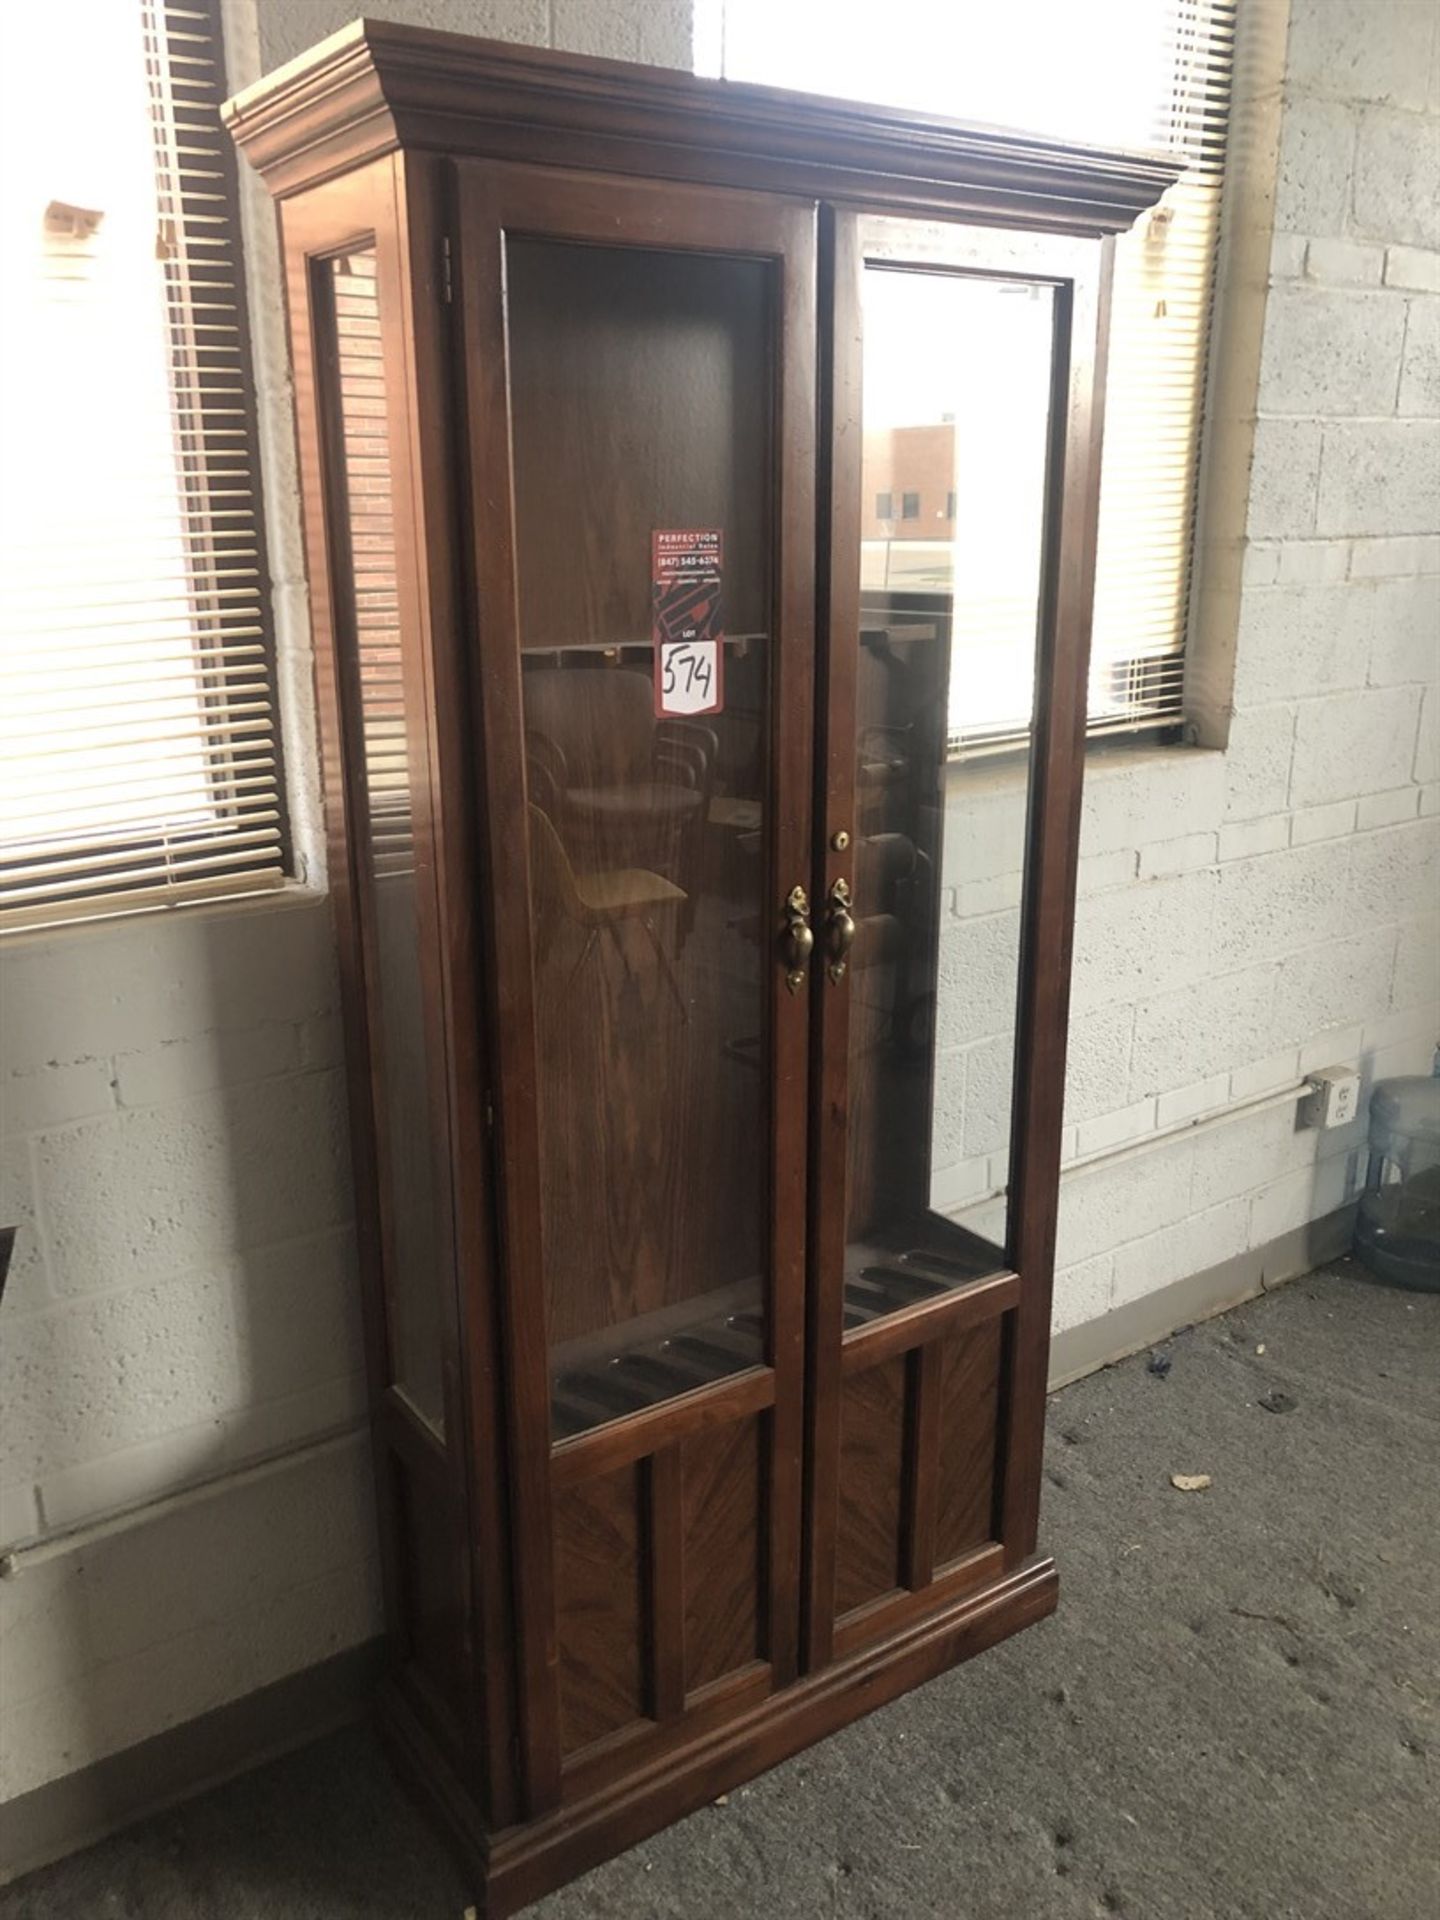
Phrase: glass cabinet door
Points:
(640, 371)
(642, 423)
(955, 445)
(952, 671)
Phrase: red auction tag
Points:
(685, 566)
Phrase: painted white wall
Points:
(183, 1305)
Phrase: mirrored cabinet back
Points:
(700, 497)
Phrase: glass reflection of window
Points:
(948, 626)
(989, 470)
(408, 1156)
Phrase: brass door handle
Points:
(797, 942)
(839, 931)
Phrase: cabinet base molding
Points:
(520, 1864)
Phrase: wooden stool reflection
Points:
(601, 902)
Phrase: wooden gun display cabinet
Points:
(687, 468)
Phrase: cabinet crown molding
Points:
(376, 86)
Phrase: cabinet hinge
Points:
(446, 281)
(489, 1114)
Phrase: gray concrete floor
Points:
(1233, 1714)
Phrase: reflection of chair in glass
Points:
(895, 894)
(631, 788)
(600, 902)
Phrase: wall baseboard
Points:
(1199, 1296)
(79, 1808)
(67, 1814)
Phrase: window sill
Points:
(1105, 759)
(288, 897)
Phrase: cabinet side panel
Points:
(424, 219)
(433, 1612)
(355, 393)
(1053, 835)
(387, 785)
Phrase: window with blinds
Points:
(1161, 303)
(139, 750)
(1135, 73)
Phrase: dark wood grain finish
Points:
(619, 1809)
(525, 1863)
(675, 350)
(608, 1447)
(434, 1602)
(791, 776)
(917, 1507)
(508, 954)
(374, 86)
(967, 1383)
(533, 1047)
(667, 1547)
(891, 1613)
(641, 1745)
(601, 1605)
(872, 1476)
(899, 1332)
(660, 1591)
(418, 1498)
(428, 1609)
(838, 582)
(924, 1470)
(473, 1416)
(724, 1527)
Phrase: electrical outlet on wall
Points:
(1333, 1099)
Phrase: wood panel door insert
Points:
(959, 384)
(638, 365)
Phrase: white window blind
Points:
(1159, 343)
(139, 759)
(1119, 73)
(352, 303)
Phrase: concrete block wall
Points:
(660, 32)
(182, 1319)
(181, 1315)
(1249, 915)
(180, 1364)
(1213, 967)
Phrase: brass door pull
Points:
(797, 942)
(839, 931)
